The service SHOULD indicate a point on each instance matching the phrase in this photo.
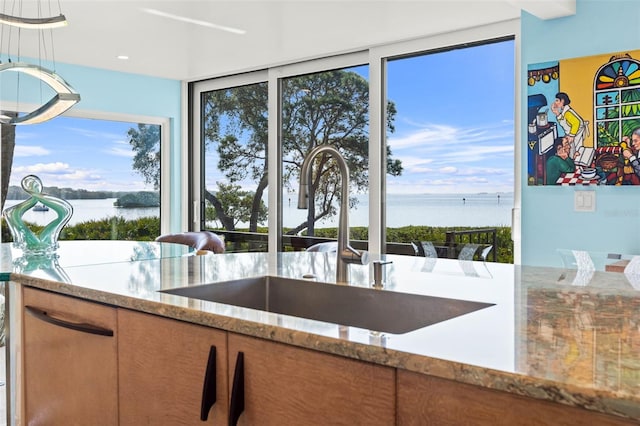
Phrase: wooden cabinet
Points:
(288, 385)
(70, 361)
(426, 400)
(86, 363)
(162, 367)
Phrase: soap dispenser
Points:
(378, 282)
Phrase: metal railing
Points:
(237, 241)
(455, 240)
(240, 241)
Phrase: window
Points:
(233, 142)
(617, 100)
(325, 108)
(108, 170)
(447, 131)
(454, 139)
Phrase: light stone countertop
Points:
(551, 334)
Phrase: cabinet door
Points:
(162, 365)
(286, 385)
(425, 400)
(70, 361)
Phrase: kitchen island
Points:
(550, 336)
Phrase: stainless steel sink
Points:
(378, 310)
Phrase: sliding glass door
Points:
(426, 128)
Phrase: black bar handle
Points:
(83, 327)
(209, 388)
(237, 391)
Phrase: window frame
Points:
(195, 155)
(165, 147)
(375, 57)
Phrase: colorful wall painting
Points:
(583, 121)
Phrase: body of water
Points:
(443, 210)
(86, 210)
(402, 209)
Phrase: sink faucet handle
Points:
(377, 272)
(351, 255)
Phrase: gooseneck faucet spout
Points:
(346, 254)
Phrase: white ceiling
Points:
(189, 46)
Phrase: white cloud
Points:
(446, 143)
(30, 151)
(477, 153)
(427, 135)
(485, 171)
(414, 165)
(418, 169)
(448, 170)
(441, 182)
(55, 174)
(96, 134)
(51, 168)
(83, 176)
(475, 179)
(121, 152)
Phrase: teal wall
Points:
(122, 93)
(549, 221)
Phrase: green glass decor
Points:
(44, 242)
(41, 266)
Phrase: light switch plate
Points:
(584, 201)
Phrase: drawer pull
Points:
(83, 327)
(237, 391)
(209, 387)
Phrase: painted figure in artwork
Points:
(575, 128)
(559, 163)
(631, 155)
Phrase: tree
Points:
(145, 142)
(324, 108)
(8, 132)
(236, 204)
(138, 199)
(242, 149)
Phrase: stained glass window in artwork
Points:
(617, 99)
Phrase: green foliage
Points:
(138, 199)
(237, 204)
(5, 234)
(148, 228)
(236, 126)
(408, 234)
(17, 193)
(113, 228)
(323, 108)
(145, 143)
(609, 132)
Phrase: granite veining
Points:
(549, 336)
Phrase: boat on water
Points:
(40, 208)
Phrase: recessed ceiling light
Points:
(193, 21)
(122, 57)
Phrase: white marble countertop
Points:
(538, 340)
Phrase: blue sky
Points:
(77, 153)
(454, 126)
(454, 131)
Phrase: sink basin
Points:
(378, 310)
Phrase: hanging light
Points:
(34, 23)
(65, 96)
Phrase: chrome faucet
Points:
(346, 254)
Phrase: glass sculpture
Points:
(44, 242)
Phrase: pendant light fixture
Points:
(64, 95)
(34, 23)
